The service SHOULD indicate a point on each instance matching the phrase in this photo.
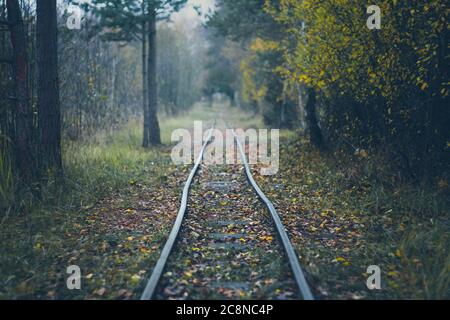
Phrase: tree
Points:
(222, 68)
(244, 20)
(386, 88)
(22, 101)
(129, 20)
(181, 55)
(258, 32)
(152, 133)
(49, 115)
(315, 134)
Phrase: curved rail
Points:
(159, 268)
(292, 257)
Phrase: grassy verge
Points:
(70, 226)
(118, 201)
(109, 216)
(347, 213)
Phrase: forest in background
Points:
(301, 65)
(315, 65)
(84, 112)
(99, 81)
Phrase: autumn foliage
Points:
(385, 90)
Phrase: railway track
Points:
(228, 241)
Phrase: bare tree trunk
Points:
(113, 94)
(23, 112)
(146, 140)
(152, 121)
(283, 112)
(237, 98)
(315, 134)
(301, 106)
(49, 114)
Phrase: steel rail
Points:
(299, 276)
(160, 265)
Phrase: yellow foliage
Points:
(251, 91)
(260, 45)
(336, 48)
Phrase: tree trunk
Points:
(152, 121)
(22, 104)
(146, 140)
(301, 106)
(49, 114)
(113, 92)
(283, 123)
(237, 98)
(315, 134)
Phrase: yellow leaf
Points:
(268, 239)
(393, 274)
(135, 279)
(144, 250)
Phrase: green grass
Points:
(37, 241)
(402, 228)
(198, 113)
(38, 238)
(75, 220)
(358, 211)
(201, 112)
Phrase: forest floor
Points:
(344, 214)
(119, 201)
